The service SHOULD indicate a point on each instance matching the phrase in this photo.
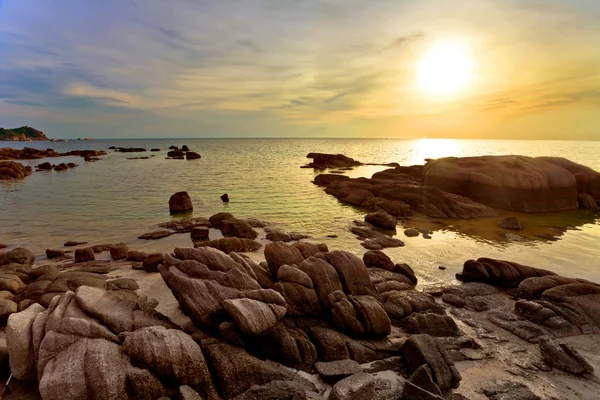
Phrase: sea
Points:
(117, 199)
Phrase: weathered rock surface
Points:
(359, 315)
(184, 225)
(231, 244)
(511, 223)
(499, 273)
(421, 386)
(423, 349)
(297, 289)
(356, 387)
(374, 240)
(238, 228)
(279, 253)
(84, 255)
(336, 370)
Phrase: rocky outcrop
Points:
(323, 161)
(230, 244)
(184, 225)
(180, 202)
(564, 357)
(499, 273)
(372, 239)
(381, 219)
(13, 170)
(424, 350)
(516, 183)
(22, 133)
(192, 155)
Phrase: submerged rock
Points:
(13, 170)
(381, 219)
(511, 223)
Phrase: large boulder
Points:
(324, 278)
(238, 228)
(356, 387)
(359, 315)
(18, 340)
(236, 371)
(498, 272)
(423, 349)
(279, 253)
(298, 291)
(352, 273)
(324, 160)
(19, 255)
(180, 202)
(516, 183)
(172, 354)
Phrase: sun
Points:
(446, 68)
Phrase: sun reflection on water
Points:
(434, 148)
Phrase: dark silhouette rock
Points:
(192, 155)
(225, 198)
(498, 273)
(51, 253)
(118, 251)
(155, 235)
(44, 166)
(217, 219)
(152, 261)
(381, 219)
(85, 254)
(587, 202)
(185, 148)
(199, 233)
(323, 161)
(72, 243)
(180, 202)
(238, 228)
(410, 232)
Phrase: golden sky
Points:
(525, 69)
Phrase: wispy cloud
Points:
(285, 66)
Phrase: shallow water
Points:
(116, 199)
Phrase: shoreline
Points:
(482, 348)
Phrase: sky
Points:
(291, 68)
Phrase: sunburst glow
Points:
(446, 68)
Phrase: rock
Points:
(115, 312)
(423, 349)
(183, 225)
(564, 357)
(192, 155)
(587, 202)
(323, 276)
(238, 228)
(217, 219)
(154, 150)
(6, 295)
(231, 244)
(276, 390)
(310, 250)
(199, 233)
(215, 259)
(432, 324)
(180, 202)
(359, 386)
(374, 240)
(44, 166)
(410, 232)
(297, 289)
(509, 391)
(134, 255)
(235, 371)
(510, 223)
(85, 254)
(323, 161)
(225, 198)
(118, 251)
(326, 179)
(378, 259)
(187, 393)
(509, 182)
(336, 370)
(50, 253)
(453, 299)
(276, 235)
(72, 243)
(359, 315)
(278, 254)
(11, 283)
(61, 167)
(13, 170)
(152, 261)
(185, 148)
(19, 255)
(19, 342)
(352, 273)
(122, 283)
(289, 346)
(171, 354)
(176, 154)
(7, 307)
(254, 317)
(421, 386)
(381, 219)
(499, 273)
(155, 235)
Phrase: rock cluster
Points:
(468, 187)
(13, 170)
(324, 161)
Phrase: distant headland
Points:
(24, 133)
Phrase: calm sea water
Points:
(117, 199)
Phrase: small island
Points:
(24, 133)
